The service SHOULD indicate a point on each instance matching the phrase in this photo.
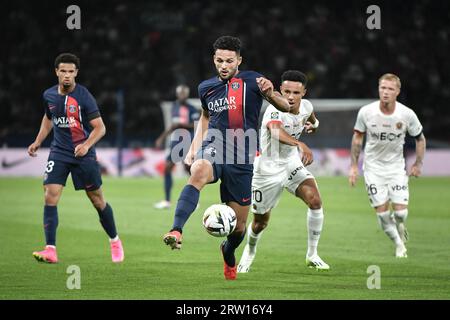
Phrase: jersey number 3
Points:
(49, 167)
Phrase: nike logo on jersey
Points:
(9, 164)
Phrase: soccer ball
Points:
(219, 220)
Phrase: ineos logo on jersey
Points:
(382, 136)
(222, 104)
(65, 122)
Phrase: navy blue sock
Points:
(168, 185)
(187, 202)
(50, 224)
(107, 221)
(233, 241)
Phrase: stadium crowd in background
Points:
(147, 48)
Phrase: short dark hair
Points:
(294, 75)
(228, 43)
(67, 58)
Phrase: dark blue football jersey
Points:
(233, 104)
(70, 115)
(184, 113)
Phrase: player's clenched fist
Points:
(81, 150)
(33, 148)
(265, 85)
(189, 160)
(415, 171)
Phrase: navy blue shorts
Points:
(86, 175)
(235, 182)
(235, 179)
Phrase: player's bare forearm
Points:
(281, 135)
(278, 101)
(272, 96)
(277, 131)
(312, 118)
(416, 168)
(355, 151)
(44, 130)
(98, 131)
(420, 150)
(200, 132)
(356, 147)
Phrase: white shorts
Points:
(267, 185)
(381, 189)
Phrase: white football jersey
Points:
(385, 136)
(272, 151)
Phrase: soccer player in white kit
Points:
(281, 164)
(385, 123)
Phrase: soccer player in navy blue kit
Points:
(72, 112)
(231, 105)
(183, 117)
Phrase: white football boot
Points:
(316, 263)
(400, 251)
(163, 204)
(246, 260)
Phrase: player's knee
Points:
(51, 197)
(200, 173)
(314, 201)
(97, 201)
(168, 168)
(259, 226)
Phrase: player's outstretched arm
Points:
(357, 141)
(273, 97)
(416, 168)
(98, 131)
(46, 127)
(278, 133)
(200, 132)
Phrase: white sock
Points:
(401, 215)
(314, 221)
(252, 238)
(387, 223)
(114, 239)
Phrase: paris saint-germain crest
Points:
(235, 85)
(72, 108)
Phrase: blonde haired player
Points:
(280, 165)
(385, 123)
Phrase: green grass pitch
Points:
(351, 242)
